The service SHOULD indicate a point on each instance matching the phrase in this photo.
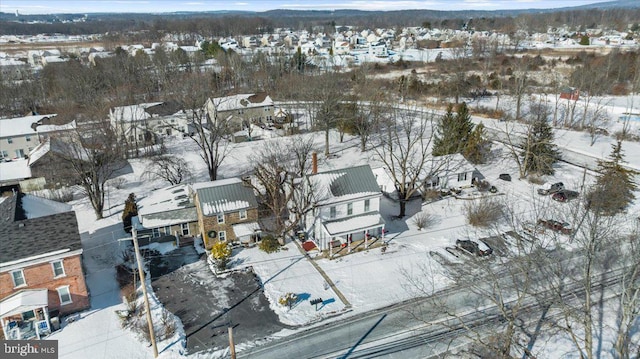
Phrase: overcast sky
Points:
(155, 6)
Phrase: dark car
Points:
(505, 177)
(557, 226)
(473, 247)
(564, 196)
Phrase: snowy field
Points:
(368, 280)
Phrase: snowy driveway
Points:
(206, 305)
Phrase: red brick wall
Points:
(40, 276)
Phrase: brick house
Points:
(227, 211)
(41, 274)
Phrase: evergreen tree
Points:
(477, 147)
(614, 185)
(130, 211)
(453, 131)
(540, 153)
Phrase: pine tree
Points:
(477, 147)
(130, 211)
(614, 185)
(540, 153)
(453, 131)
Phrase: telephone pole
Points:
(147, 307)
(232, 346)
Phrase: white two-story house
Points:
(347, 208)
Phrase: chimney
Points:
(314, 163)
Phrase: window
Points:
(155, 232)
(64, 294)
(185, 229)
(5, 154)
(367, 205)
(332, 212)
(20, 153)
(243, 214)
(349, 209)
(462, 177)
(9, 140)
(222, 236)
(18, 278)
(220, 217)
(58, 268)
(27, 138)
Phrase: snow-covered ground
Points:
(368, 279)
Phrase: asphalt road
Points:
(207, 305)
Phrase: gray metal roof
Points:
(353, 180)
(31, 237)
(226, 195)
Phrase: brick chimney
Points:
(314, 162)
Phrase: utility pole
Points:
(232, 346)
(152, 334)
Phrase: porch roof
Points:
(246, 229)
(354, 224)
(22, 301)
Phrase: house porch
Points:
(25, 315)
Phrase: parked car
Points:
(550, 188)
(564, 195)
(474, 248)
(552, 224)
(505, 177)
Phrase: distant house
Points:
(449, 172)
(143, 124)
(570, 93)
(45, 162)
(227, 211)
(41, 275)
(347, 208)
(239, 111)
(20, 135)
(167, 215)
(439, 173)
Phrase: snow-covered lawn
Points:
(368, 279)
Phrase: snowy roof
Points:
(357, 223)
(24, 300)
(167, 206)
(14, 170)
(35, 207)
(245, 229)
(241, 101)
(132, 113)
(344, 184)
(225, 195)
(19, 126)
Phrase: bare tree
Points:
(206, 129)
(404, 150)
(629, 302)
(278, 169)
(169, 168)
(93, 154)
